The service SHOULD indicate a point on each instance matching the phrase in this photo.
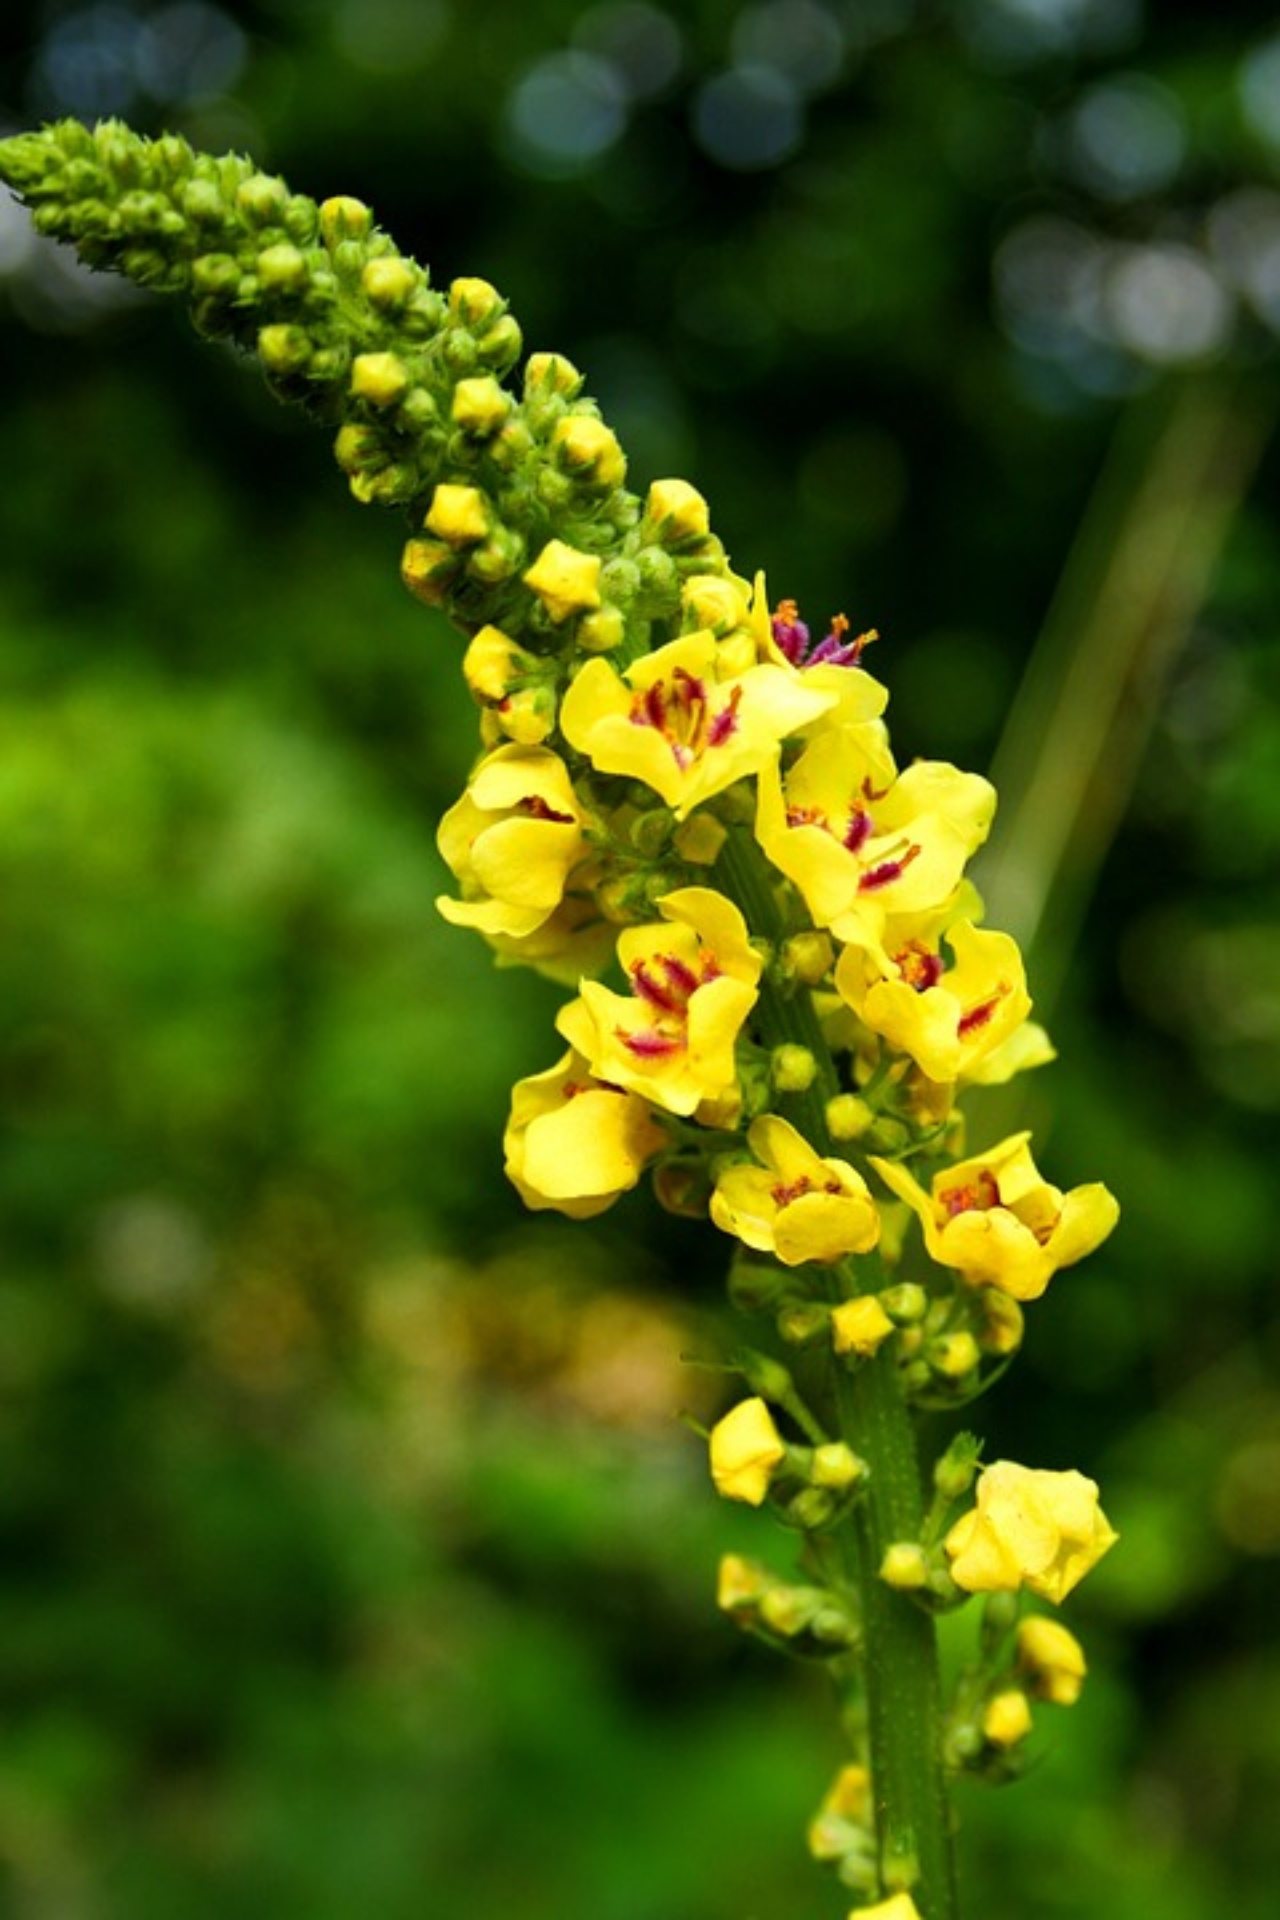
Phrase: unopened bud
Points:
(380, 378)
(849, 1117)
(588, 447)
(283, 350)
(954, 1357)
(551, 373)
(1007, 1718)
(388, 281)
(457, 515)
(343, 218)
(426, 567)
(480, 405)
(566, 581)
(676, 510)
(602, 631)
(794, 1068)
(860, 1327)
(281, 269)
(905, 1566)
(837, 1466)
(906, 1305)
(474, 301)
(713, 602)
(262, 199)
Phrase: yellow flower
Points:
(573, 942)
(796, 1205)
(1031, 1528)
(693, 983)
(574, 1144)
(862, 841)
(833, 662)
(745, 1448)
(1051, 1659)
(511, 841)
(680, 722)
(994, 1218)
(947, 1018)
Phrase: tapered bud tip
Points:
(342, 218)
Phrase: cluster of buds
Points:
(687, 811)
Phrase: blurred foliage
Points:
(354, 1559)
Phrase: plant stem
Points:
(901, 1662)
(904, 1708)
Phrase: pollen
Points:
(976, 1195)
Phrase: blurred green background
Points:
(354, 1558)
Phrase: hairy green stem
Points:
(903, 1702)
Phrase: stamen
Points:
(858, 832)
(887, 872)
(790, 632)
(650, 1045)
(981, 1193)
(978, 1016)
(725, 723)
(684, 980)
(918, 967)
(536, 808)
(656, 995)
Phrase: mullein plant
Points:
(686, 810)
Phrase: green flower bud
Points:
(957, 1468)
(283, 349)
(388, 282)
(282, 269)
(619, 582)
(262, 199)
(499, 346)
(202, 204)
(216, 273)
(498, 558)
(659, 581)
(458, 351)
(802, 1323)
(794, 1068)
(906, 1305)
(601, 631)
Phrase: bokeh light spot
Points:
(748, 118)
(1166, 304)
(641, 43)
(1126, 138)
(796, 38)
(189, 52)
(566, 111)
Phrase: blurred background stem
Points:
(1143, 561)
